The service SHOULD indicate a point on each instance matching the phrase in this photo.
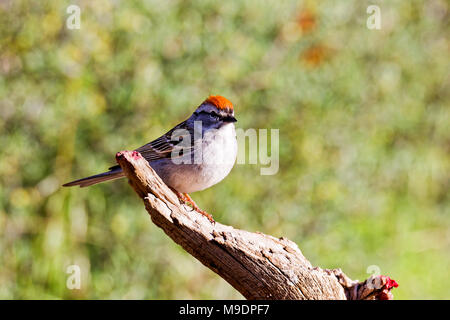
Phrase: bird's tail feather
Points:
(88, 181)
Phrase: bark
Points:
(259, 266)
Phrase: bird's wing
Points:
(163, 146)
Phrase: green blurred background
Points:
(364, 138)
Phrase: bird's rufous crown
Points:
(220, 102)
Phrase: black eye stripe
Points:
(224, 118)
(212, 113)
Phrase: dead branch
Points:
(259, 266)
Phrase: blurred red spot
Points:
(391, 283)
(120, 154)
(386, 293)
(306, 20)
(136, 155)
(315, 55)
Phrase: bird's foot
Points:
(185, 198)
(196, 208)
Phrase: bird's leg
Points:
(196, 208)
(185, 198)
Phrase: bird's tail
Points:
(114, 173)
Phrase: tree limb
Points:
(259, 266)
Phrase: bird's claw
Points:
(185, 198)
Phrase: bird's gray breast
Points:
(211, 161)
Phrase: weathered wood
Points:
(259, 266)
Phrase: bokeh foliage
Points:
(364, 138)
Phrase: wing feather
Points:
(163, 146)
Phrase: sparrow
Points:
(192, 156)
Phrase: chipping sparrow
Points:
(192, 156)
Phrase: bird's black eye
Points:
(212, 115)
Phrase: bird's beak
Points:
(230, 119)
